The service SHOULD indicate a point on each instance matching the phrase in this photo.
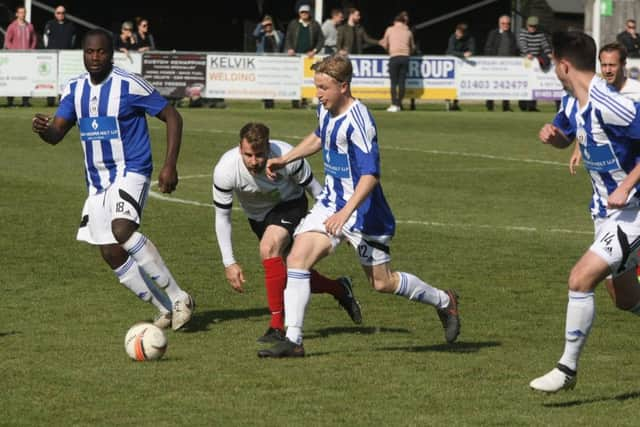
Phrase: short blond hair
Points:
(337, 66)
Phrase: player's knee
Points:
(122, 229)
(578, 282)
(383, 284)
(268, 250)
(113, 255)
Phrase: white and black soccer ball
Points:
(145, 341)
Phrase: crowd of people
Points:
(61, 33)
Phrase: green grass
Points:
(482, 207)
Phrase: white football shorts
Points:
(372, 250)
(617, 239)
(125, 198)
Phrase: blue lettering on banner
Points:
(599, 158)
(98, 128)
(336, 164)
(419, 68)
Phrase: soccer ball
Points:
(145, 341)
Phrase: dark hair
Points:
(402, 17)
(576, 47)
(103, 33)
(615, 47)
(256, 134)
(462, 27)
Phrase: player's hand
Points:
(168, 179)
(235, 277)
(334, 223)
(574, 161)
(618, 199)
(547, 133)
(272, 166)
(40, 122)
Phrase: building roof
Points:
(567, 6)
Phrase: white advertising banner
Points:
(28, 73)
(493, 78)
(253, 77)
(71, 64)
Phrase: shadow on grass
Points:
(6, 334)
(572, 403)
(201, 320)
(368, 330)
(457, 347)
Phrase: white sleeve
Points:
(314, 189)
(223, 235)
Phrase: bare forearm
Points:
(310, 145)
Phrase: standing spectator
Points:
(398, 41)
(304, 35)
(268, 40)
(630, 40)
(143, 36)
(501, 42)
(126, 41)
(535, 46)
(462, 45)
(59, 33)
(20, 35)
(330, 31)
(352, 37)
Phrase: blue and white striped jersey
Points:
(608, 131)
(350, 150)
(112, 124)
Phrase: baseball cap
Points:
(304, 8)
(532, 21)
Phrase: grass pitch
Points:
(481, 207)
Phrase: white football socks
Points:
(580, 315)
(134, 279)
(147, 256)
(413, 288)
(296, 297)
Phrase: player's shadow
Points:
(456, 347)
(364, 330)
(202, 320)
(619, 398)
(6, 334)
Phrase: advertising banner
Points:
(429, 77)
(28, 73)
(176, 75)
(71, 64)
(253, 77)
(497, 77)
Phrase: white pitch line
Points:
(525, 229)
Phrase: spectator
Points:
(59, 33)
(501, 42)
(630, 40)
(398, 41)
(462, 45)
(330, 31)
(535, 46)
(20, 35)
(126, 41)
(268, 40)
(352, 37)
(143, 36)
(304, 35)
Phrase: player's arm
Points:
(620, 197)
(574, 160)
(50, 130)
(168, 178)
(232, 270)
(365, 186)
(309, 145)
(550, 134)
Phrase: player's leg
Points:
(612, 252)
(132, 278)
(125, 200)
(95, 228)
(625, 294)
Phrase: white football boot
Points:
(182, 311)
(554, 381)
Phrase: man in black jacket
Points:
(59, 33)
(630, 40)
(501, 42)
